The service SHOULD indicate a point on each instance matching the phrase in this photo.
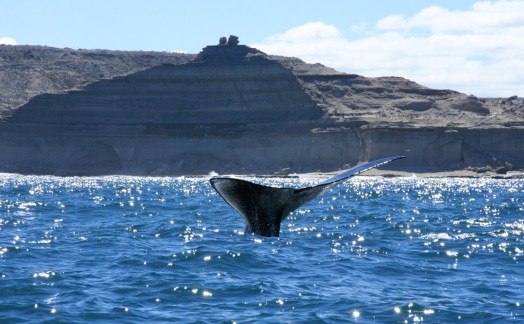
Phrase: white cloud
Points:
(7, 41)
(478, 51)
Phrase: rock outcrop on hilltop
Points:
(234, 109)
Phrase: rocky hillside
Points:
(234, 109)
(396, 101)
(27, 71)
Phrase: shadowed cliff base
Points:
(234, 109)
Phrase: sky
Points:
(475, 47)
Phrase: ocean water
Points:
(164, 250)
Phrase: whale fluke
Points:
(264, 208)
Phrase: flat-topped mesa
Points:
(227, 51)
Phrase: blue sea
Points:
(164, 250)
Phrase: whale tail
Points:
(264, 208)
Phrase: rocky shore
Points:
(234, 109)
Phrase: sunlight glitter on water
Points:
(129, 241)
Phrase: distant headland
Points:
(234, 109)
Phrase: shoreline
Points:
(436, 174)
(369, 173)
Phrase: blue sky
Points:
(441, 44)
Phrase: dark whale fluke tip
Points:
(264, 208)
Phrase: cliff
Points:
(234, 109)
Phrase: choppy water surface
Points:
(128, 249)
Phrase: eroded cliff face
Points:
(444, 149)
(233, 109)
(230, 109)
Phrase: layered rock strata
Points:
(27, 71)
(234, 109)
